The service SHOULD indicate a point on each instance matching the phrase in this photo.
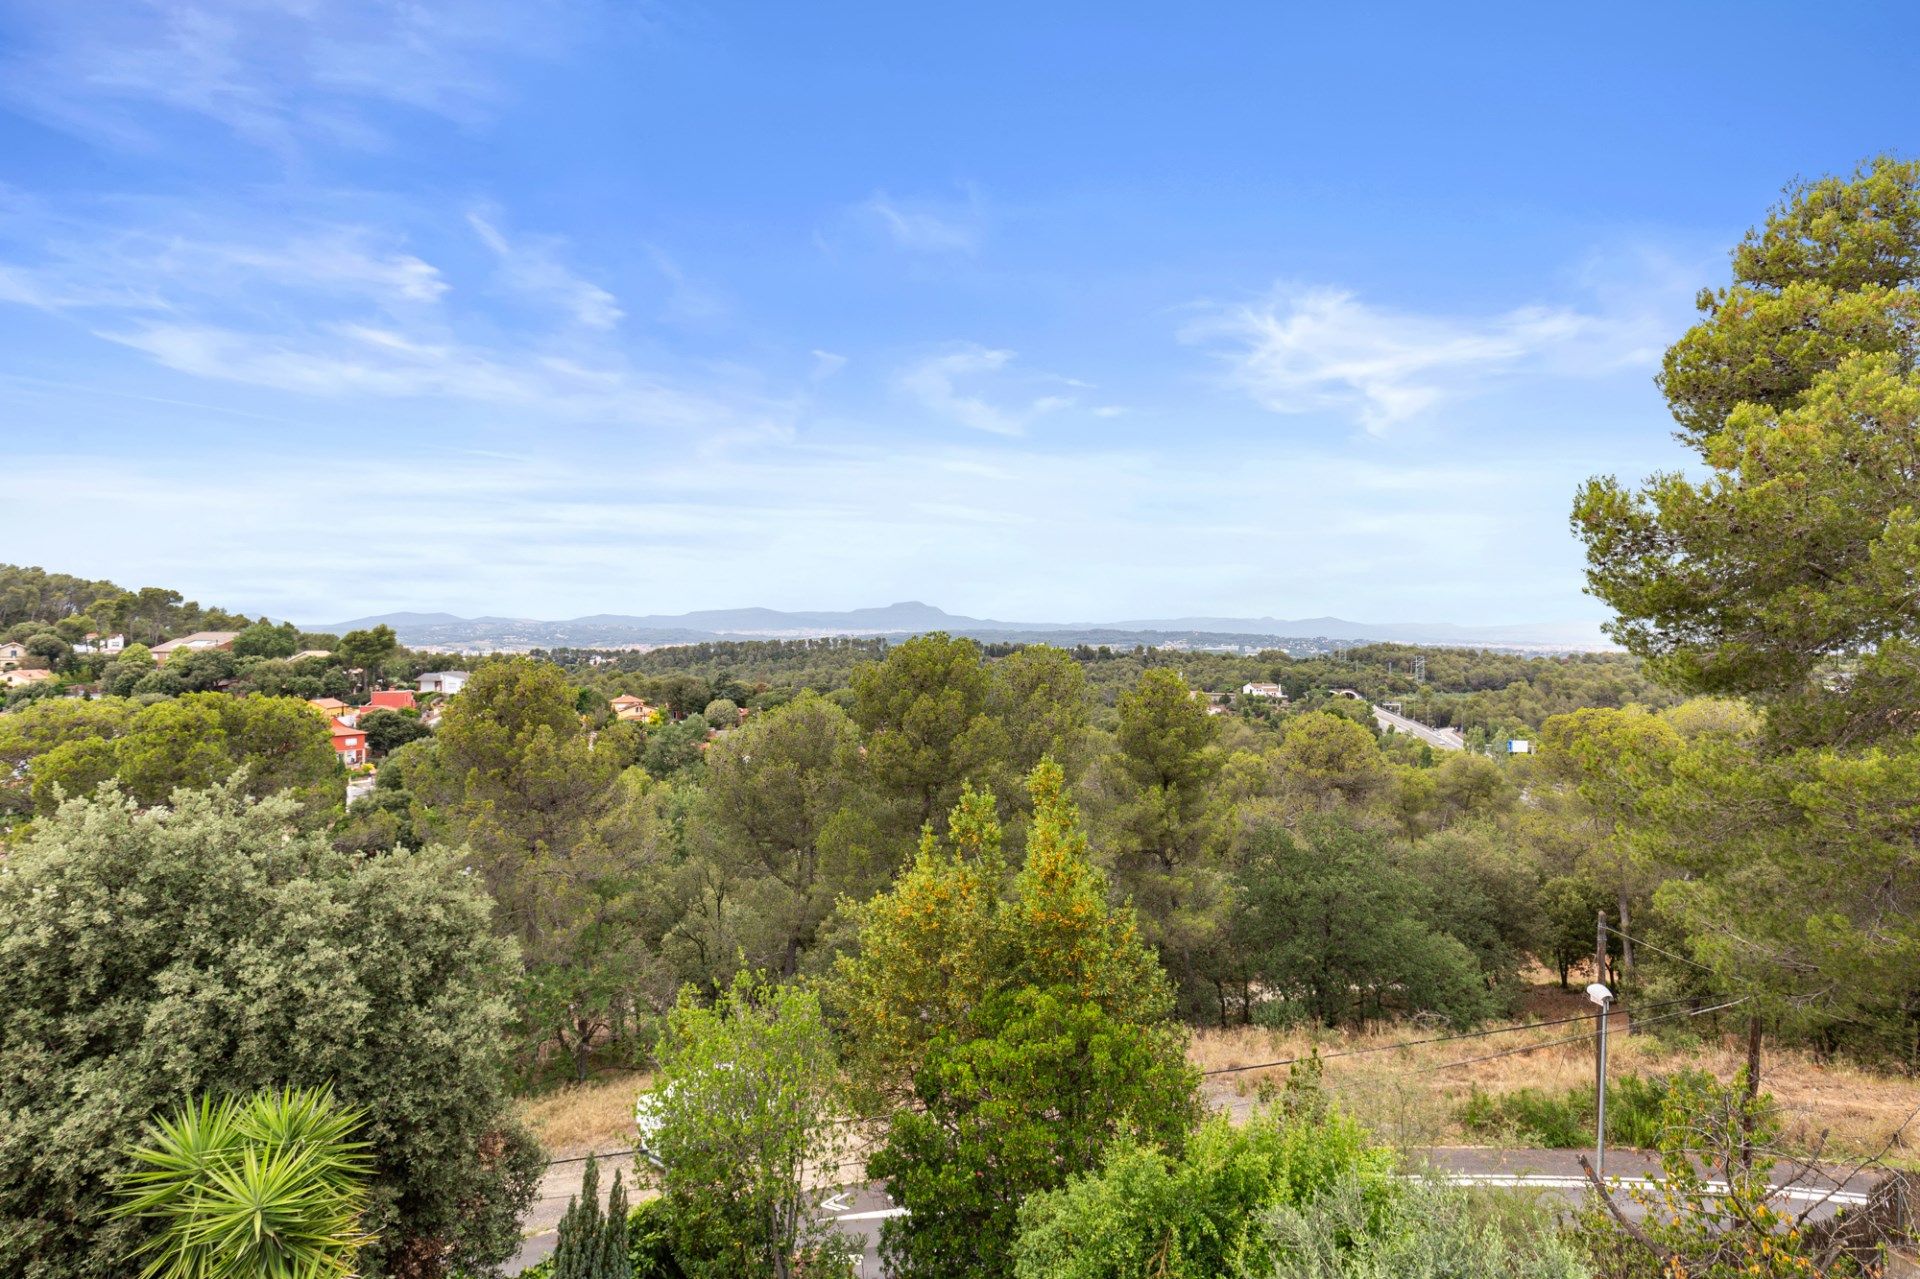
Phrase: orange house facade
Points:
(349, 743)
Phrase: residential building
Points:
(391, 699)
(349, 743)
(446, 683)
(17, 679)
(627, 706)
(1271, 691)
(199, 641)
(309, 652)
(95, 642)
(332, 708)
(12, 653)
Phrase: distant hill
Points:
(913, 617)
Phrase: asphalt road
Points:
(861, 1208)
(1445, 739)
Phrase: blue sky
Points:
(1058, 312)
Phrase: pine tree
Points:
(593, 1241)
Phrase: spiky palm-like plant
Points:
(267, 1187)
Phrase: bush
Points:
(216, 948)
(1418, 1230)
(211, 1173)
(746, 1104)
(1201, 1214)
(1043, 1093)
(593, 1240)
(649, 1242)
(648, 1247)
(1533, 1117)
(1687, 1228)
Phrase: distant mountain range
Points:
(445, 630)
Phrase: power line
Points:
(598, 1154)
(1658, 950)
(1437, 1039)
(1574, 1039)
(1510, 1052)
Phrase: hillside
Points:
(912, 617)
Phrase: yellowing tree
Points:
(953, 932)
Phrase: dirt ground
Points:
(1412, 1096)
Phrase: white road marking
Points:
(1717, 1189)
(877, 1214)
(1544, 1181)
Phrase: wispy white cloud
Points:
(927, 226)
(687, 302)
(163, 263)
(340, 311)
(1308, 349)
(950, 384)
(278, 73)
(343, 361)
(826, 364)
(531, 266)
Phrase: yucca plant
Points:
(266, 1187)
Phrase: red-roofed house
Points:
(349, 743)
(392, 699)
(627, 706)
(333, 708)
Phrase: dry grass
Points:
(1408, 1101)
(596, 1115)
(1405, 1099)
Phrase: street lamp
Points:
(1603, 997)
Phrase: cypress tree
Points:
(593, 1241)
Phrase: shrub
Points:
(216, 948)
(1688, 1228)
(1198, 1215)
(746, 1108)
(273, 1185)
(650, 1243)
(593, 1240)
(1533, 1117)
(1048, 1085)
(1418, 1230)
(649, 1250)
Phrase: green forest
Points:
(971, 905)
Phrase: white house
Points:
(98, 643)
(446, 683)
(198, 642)
(12, 653)
(1273, 691)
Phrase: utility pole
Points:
(1603, 997)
